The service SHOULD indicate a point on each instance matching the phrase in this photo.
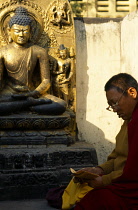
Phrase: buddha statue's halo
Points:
(21, 17)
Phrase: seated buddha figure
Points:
(19, 61)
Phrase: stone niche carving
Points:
(52, 28)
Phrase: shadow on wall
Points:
(97, 138)
(86, 130)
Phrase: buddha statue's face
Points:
(63, 54)
(20, 34)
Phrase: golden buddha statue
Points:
(20, 62)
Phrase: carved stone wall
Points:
(31, 173)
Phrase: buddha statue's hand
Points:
(20, 96)
(34, 94)
(21, 88)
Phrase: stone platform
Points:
(36, 154)
(33, 129)
(36, 204)
(31, 172)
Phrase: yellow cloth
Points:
(73, 193)
(113, 167)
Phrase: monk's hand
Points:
(95, 170)
(97, 182)
(77, 179)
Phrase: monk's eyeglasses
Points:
(115, 105)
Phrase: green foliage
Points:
(78, 8)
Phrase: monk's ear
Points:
(132, 92)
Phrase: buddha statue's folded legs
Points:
(41, 105)
(57, 106)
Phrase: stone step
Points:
(34, 137)
(35, 158)
(29, 173)
(35, 204)
(33, 129)
(31, 121)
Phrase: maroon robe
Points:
(122, 194)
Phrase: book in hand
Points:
(83, 174)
